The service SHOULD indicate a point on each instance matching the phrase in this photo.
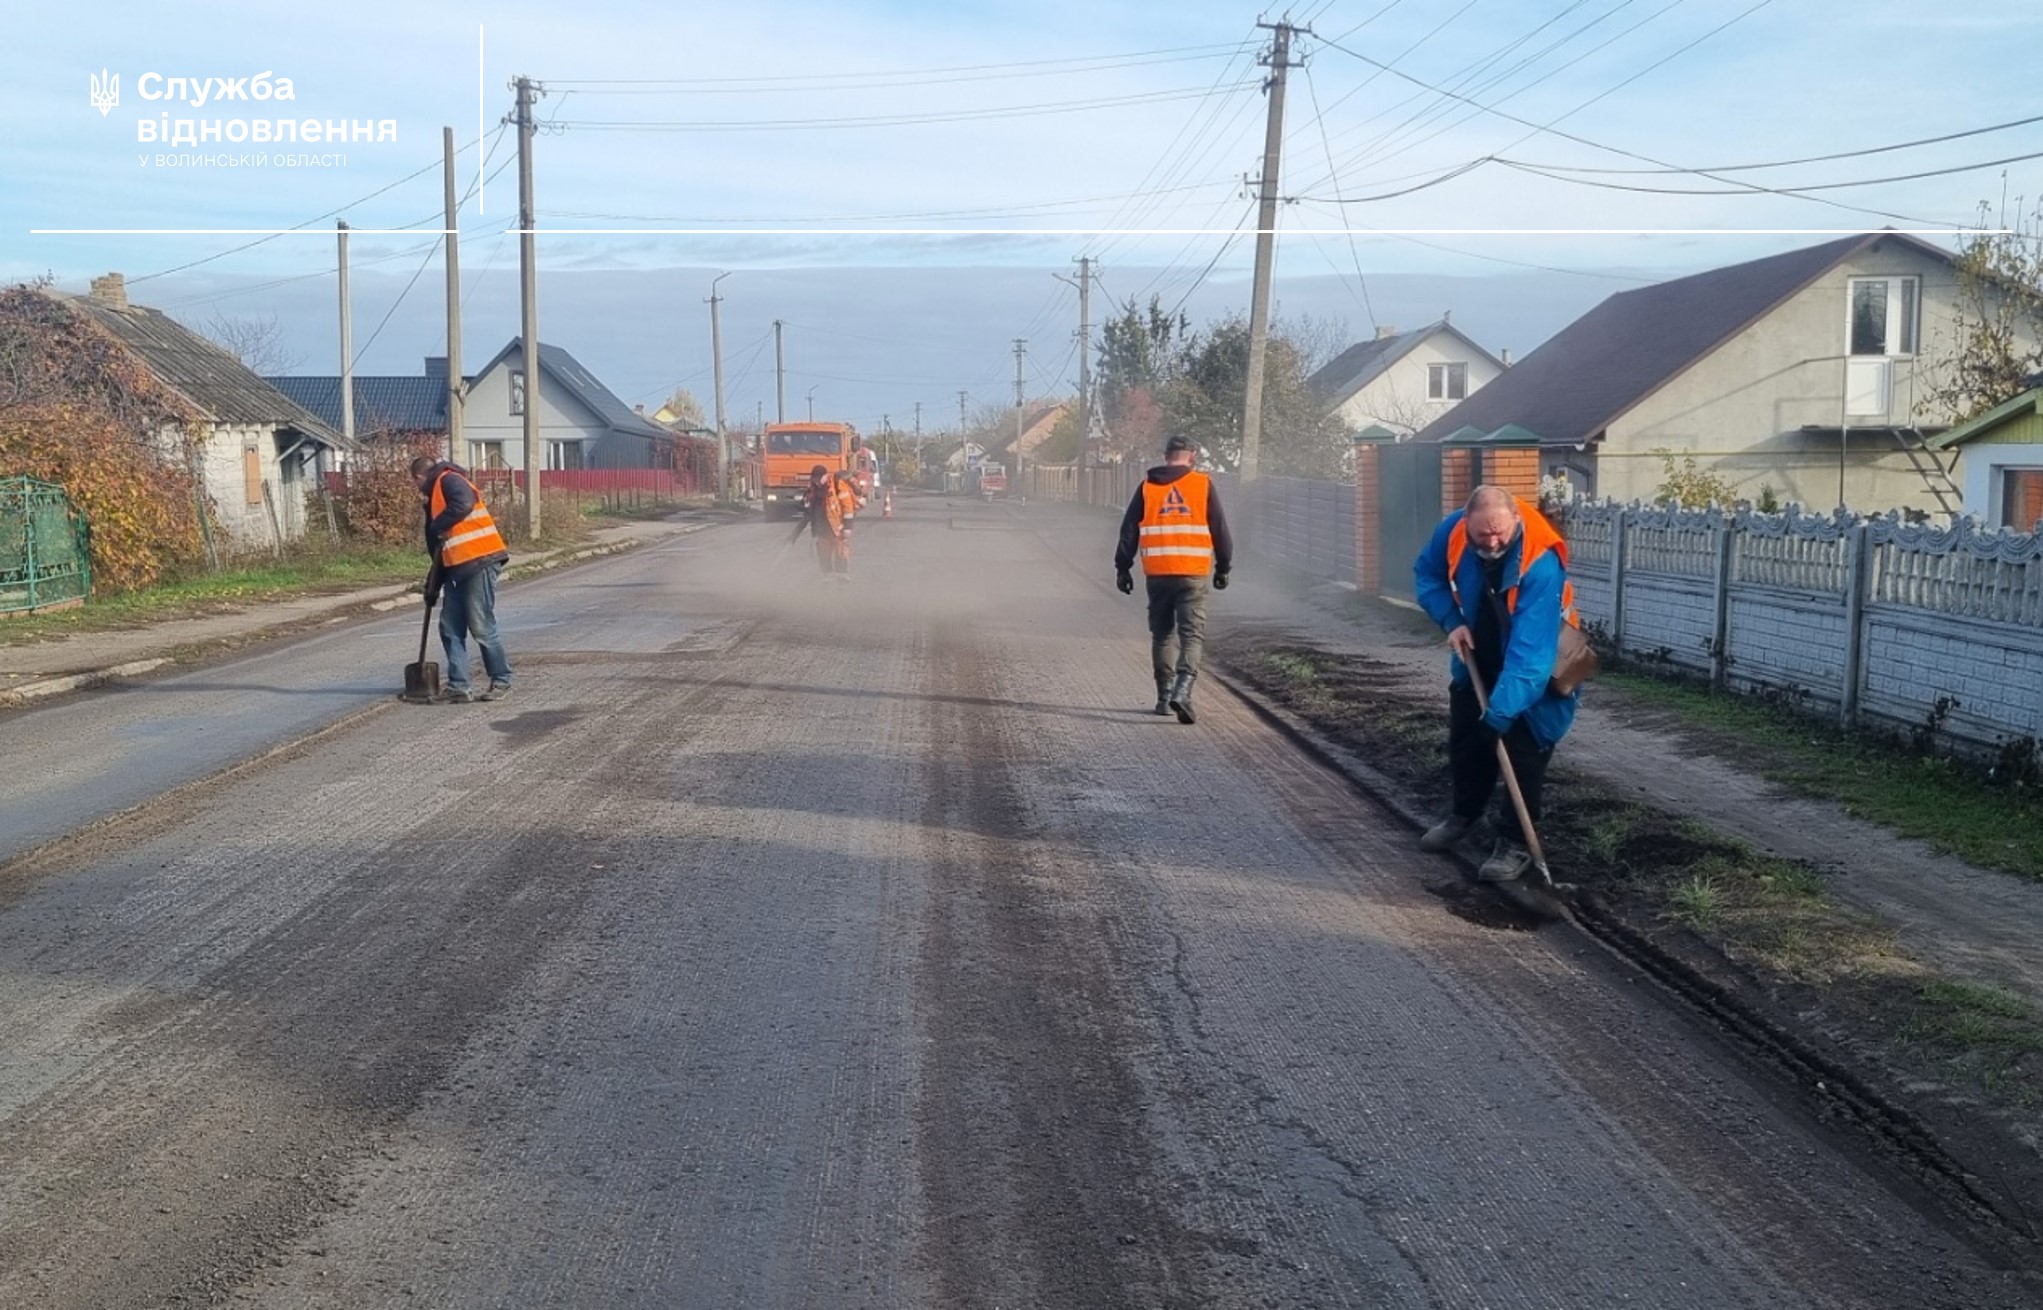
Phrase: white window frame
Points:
(1903, 337)
(480, 453)
(517, 392)
(556, 449)
(1440, 379)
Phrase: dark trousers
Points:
(1177, 618)
(468, 608)
(1472, 759)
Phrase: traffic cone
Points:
(887, 505)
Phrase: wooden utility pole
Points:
(347, 396)
(528, 290)
(1279, 64)
(457, 392)
(1084, 355)
(1021, 352)
(716, 358)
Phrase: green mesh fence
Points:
(45, 558)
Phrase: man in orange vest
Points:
(468, 553)
(826, 514)
(1175, 527)
(1495, 578)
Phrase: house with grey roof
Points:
(1401, 381)
(261, 451)
(1804, 372)
(407, 406)
(582, 422)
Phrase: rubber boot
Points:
(1180, 701)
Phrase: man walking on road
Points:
(468, 553)
(1175, 526)
(824, 514)
(1495, 578)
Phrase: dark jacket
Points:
(461, 499)
(1131, 523)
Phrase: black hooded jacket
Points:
(1163, 475)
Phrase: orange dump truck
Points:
(792, 449)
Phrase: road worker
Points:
(468, 555)
(823, 517)
(1175, 526)
(1495, 578)
(850, 500)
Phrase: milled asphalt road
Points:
(782, 944)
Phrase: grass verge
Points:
(1962, 809)
(1693, 889)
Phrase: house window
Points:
(517, 391)
(2021, 498)
(564, 455)
(1884, 314)
(1446, 381)
(486, 455)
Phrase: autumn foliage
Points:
(382, 502)
(78, 410)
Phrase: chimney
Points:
(1385, 331)
(1447, 316)
(111, 290)
(1505, 356)
(436, 368)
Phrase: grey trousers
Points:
(1177, 616)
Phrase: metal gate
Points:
(1408, 476)
(45, 557)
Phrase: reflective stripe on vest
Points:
(1539, 538)
(1176, 539)
(474, 537)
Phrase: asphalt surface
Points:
(789, 944)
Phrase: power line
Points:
(998, 211)
(888, 120)
(1789, 163)
(1312, 90)
(807, 79)
(1499, 259)
(1745, 190)
(782, 87)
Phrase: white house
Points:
(260, 451)
(583, 424)
(1402, 381)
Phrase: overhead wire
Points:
(1312, 90)
(808, 79)
(801, 85)
(887, 120)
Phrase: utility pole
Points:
(779, 375)
(918, 425)
(1279, 63)
(1084, 355)
(812, 403)
(1021, 352)
(963, 422)
(457, 391)
(528, 289)
(716, 352)
(347, 339)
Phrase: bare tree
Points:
(257, 342)
(684, 409)
(1394, 408)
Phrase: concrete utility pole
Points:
(1084, 336)
(457, 391)
(1021, 352)
(918, 425)
(812, 402)
(716, 354)
(347, 339)
(779, 374)
(963, 421)
(528, 290)
(1279, 63)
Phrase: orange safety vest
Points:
(1540, 537)
(474, 537)
(848, 497)
(1177, 540)
(833, 509)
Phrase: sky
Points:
(844, 162)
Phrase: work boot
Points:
(1162, 710)
(1179, 701)
(1443, 835)
(1507, 863)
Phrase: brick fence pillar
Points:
(1457, 477)
(1369, 516)
(1515, 469)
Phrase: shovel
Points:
(1532, 845)
(422, 679)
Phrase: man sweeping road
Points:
(1495, 578)
(468, 553)
(1174, 524)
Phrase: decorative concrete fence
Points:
(1879, 621)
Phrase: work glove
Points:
(1125, 581)
(1220, 582)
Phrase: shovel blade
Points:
(421, 681)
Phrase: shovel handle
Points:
(1510, 779)
(432, 594)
